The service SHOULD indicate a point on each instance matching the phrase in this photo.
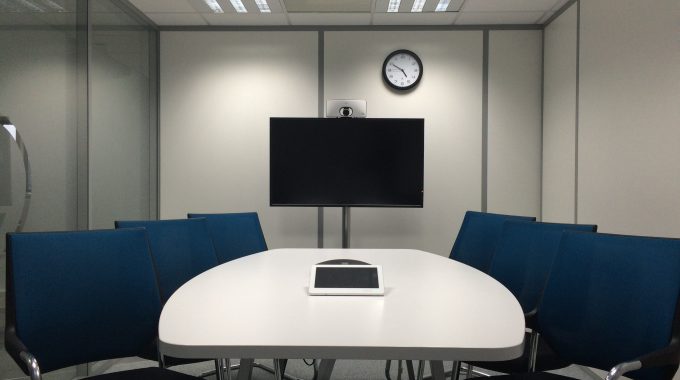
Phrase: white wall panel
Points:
(629, 129)
(449, 97)
(514, 124)
(559, 118)
(218, 90)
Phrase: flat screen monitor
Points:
(360, 162)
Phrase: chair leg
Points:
(409, 368)
(277, 369)
(533, 351)
(219, 373)
(421, 369)
(455, 370)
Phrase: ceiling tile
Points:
(240, 19)
(438, 18)
(508, 6)
(177, 19)
(164, 6)
(492, 18)
(330, 18)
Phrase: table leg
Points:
(437, 369)
(325, 369)
(245, 370)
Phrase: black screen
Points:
(346, 162)
(361, 278)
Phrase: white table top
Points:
(434, 309)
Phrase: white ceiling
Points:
(287, 12)
(349, 12)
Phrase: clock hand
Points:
(402, 70)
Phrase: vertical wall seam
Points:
(485, 120)
(576, 126)
(540, 173)
(320, 113)
(83, 33)
(157, 126)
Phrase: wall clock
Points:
(402, 70)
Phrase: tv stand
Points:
(345, 226)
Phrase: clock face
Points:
(402, 70)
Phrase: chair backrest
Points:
(611, 299)
(525, 255)
(77, 297)
(235, 234)
(181, 250)
(478, 236)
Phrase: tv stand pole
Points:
(345, 227)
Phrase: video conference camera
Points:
(346, 108)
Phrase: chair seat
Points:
(151, 373)
(546, 360)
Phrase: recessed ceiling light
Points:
(263, 6)
(214, 6)
(31, 5)
(418, 6)
(393, 6)
(54, 6)
(238, 6)
(442, 6)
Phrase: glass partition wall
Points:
(78, 80)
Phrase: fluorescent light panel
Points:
(263, 6)
(54, 6)
(393, 6)
(214, 6)
(238, 6)
(31, 5)
(418, 6)
(442, 6)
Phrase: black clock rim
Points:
(384, 67)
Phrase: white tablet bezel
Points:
(379, 291)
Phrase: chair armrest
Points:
(16, 348)
(669, 355)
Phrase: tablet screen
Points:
(348, 277)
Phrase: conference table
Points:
(434, 308)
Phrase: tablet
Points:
(346, 280)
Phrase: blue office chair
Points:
(234, 234)
(478, 236)
(522, 262)
(611, 302)
(78, 297)
(181, 250)
(474, 246)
